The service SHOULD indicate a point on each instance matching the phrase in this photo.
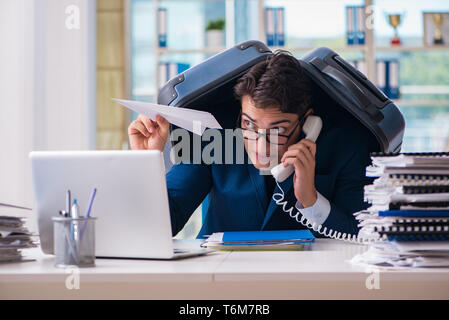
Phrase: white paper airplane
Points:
(189, 119)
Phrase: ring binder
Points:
(425, 189)
(414, 232)
(413, 154)
(415, 179)
(414, 213)
(418, 204)
(415, 237)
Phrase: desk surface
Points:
(324, 272)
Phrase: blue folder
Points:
(414, 213)
(268, 236)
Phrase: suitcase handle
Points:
(344, 80)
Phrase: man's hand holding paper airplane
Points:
(189, 119)
(146, 134)
(151, 129)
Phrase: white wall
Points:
(47, 86)
(67, 59)
(17, 96)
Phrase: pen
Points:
(75, 215)
(87, 215)
(75, 210)
(90, 202)
(68, 202)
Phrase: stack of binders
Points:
(387, 72)
(275, 26)
(169, 70)
(408, 220)
(162, 27)
(355, 25)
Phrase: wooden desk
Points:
(324, 272)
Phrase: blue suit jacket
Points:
(238, 199)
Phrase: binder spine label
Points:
(280, 27)
(269, 26)
(162, 27)
(350, 25)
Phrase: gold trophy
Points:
(438, 21)
(395, 20)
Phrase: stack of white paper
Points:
(401, 254)
(408, 220)
(14, 236)
(421, 163)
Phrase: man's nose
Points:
(262, 145)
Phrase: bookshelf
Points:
(412, 48)
(230, 39)
(369, 50)
(375, 46)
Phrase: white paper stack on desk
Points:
(408, 219)
(14, 236)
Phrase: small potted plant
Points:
(215, 33)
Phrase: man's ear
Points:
(309, 112)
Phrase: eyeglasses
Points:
(270, 136)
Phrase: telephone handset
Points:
(312, 127)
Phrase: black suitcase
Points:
(342, 90)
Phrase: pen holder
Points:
(74, 241)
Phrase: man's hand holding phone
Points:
(302, 156)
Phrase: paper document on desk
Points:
(14, 236)
(189, 119)
(259, 240)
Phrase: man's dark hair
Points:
(278, 82)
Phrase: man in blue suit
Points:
(327, 185)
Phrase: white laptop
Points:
(131, 202)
